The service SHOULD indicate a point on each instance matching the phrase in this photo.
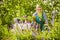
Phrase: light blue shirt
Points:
(45, 17)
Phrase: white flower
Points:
(50, 3)
(53, 2)
(45, 2)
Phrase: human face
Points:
(38, 9)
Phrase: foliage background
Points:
(10, 9)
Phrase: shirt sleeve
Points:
(35, 14)
(45, 18)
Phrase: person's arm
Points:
(45, 18)
(34, 17)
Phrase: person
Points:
(29, 24)
(24, 27)
(40, 17)
(17, 26)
